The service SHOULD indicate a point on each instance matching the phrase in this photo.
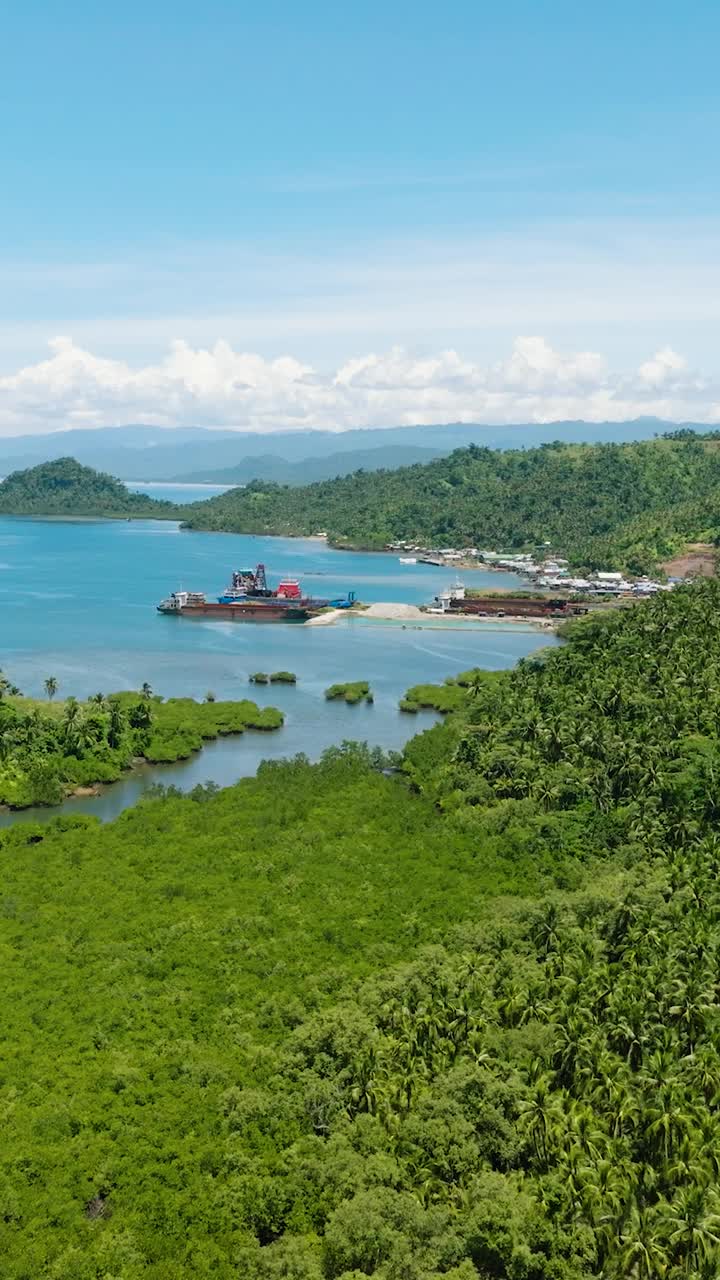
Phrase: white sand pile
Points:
(387, 610)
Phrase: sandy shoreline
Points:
(410, 617)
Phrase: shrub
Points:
(351, 691)
(411, 708)
(435, 697)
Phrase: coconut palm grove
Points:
(449, 1015)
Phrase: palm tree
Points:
(477, 685)
(642, 1254)
(72, 711)
(85, 733)
(51, 687)
(541, 1113)
(117, 724)
(693, 1225)
(70, 721)
(141, 715)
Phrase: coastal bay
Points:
(78, 603)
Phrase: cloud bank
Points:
(220, 386)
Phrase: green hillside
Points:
(601, 505)
(65, 488)
(457, 1023)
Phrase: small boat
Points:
(407, 559)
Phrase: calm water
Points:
(77, 601)
(165, 491)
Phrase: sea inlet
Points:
(77, 601)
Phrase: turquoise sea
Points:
(166, 491)
(77, 601)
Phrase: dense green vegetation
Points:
(628, 505)
(351, 691)
(49, 749)
(177, 955)
(449, 696)
(65, 488)
(460, 1022)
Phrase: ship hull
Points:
(249, 611)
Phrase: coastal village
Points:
(553, 591)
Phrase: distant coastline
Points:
(177, 484)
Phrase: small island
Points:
(276, 677)
(65, 488)
(50, 750)
(351, 692)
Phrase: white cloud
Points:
(664, 366)
(220, 386)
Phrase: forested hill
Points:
(629, 505)
(457, 1023)
(65, 488)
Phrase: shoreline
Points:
(88, 790)
(411, 617)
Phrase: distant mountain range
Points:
(268, 466)
(291, 457)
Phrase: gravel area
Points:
(383, 610)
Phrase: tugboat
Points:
(248, 598)
(246, 585)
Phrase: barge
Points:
(248, 598)
(455, 600)
(194, 604)
(516, 606)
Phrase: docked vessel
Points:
(248, 598)
(194, 604)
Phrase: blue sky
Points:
(322, 182)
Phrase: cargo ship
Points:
(248, 598)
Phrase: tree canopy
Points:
(624, 505)
(452, 1018)
(65, 488)
(609, 505)
(49, 749)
